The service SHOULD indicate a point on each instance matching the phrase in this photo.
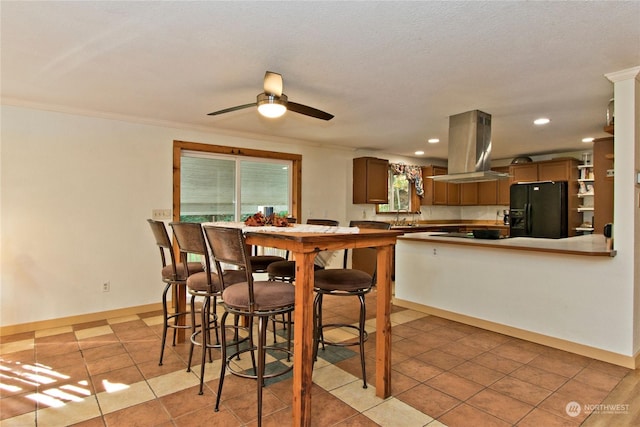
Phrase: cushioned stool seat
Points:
(284, 271)
(338, 279)
(259, 263)
(267, 295)
(180, 271)
(199, 282)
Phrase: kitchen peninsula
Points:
(563, 293)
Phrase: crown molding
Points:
(627, 74)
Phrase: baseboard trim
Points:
(595, 353)
(72, 320)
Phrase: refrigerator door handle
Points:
(527, 218)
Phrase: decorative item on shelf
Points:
(608, 234)
(521, 159)
(583, 173)
(610, 113)
(586, 159)
(583, 188)
(259, 219)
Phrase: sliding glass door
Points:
(215, 187)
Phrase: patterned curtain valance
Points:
(413, 173)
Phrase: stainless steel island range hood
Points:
(470, 149)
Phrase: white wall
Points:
(75, 195)
(576, 298)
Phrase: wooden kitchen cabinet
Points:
(560, 170)
(465, 194)
(548, 170)
(438, 192)
(526, 172)
(469, 193)
(453, 194)
(370, 180)
(488, 193)
(503, 190)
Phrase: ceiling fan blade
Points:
(228, 110)
(308, 111)
(272, 83)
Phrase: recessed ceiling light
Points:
(541, 121)
(419, 153)
(587, 139)
(433, 140)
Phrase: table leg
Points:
(383, 322)
(303, 340)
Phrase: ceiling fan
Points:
(273, 103)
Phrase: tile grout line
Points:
(97, 396)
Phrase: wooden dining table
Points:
(305, 246)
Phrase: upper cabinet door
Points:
(527, 172)
(488, 192)
(370, 180)
(555, 170)
(503, 187)
(435, 192)
(469, 193)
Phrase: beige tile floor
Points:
(444, 373)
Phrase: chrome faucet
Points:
(398, 221)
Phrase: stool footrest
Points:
(253, 376)
(349, 343)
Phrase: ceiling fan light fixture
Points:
(272, 106)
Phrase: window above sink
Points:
(402, 196)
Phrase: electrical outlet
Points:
(161, 214)
(106, 286)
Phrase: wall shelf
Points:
(586, 193)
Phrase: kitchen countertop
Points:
(589, 245)
(433, 226)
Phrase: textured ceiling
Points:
(391, 72)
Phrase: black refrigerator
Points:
(539, 209)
